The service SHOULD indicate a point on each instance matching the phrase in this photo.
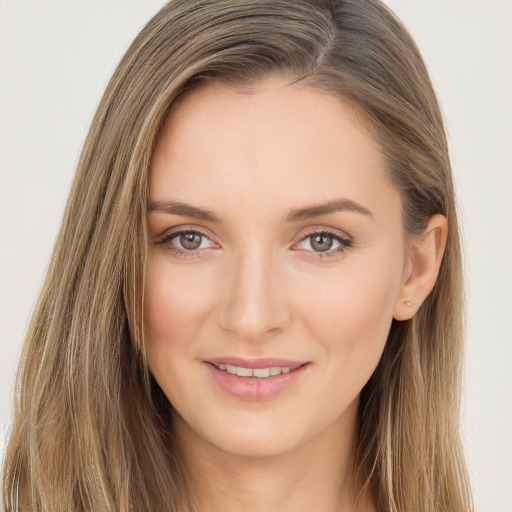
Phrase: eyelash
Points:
(344, 241)
(166, 241)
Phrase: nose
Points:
(254, 301)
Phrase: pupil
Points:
(190, 241)
(321, 243)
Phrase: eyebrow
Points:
(187, 210)
(334, 206)
(183, 209)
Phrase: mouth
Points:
(259, 373)
(256, 380)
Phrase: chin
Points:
(256, 443)
(263, 431)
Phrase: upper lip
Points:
(263, 362)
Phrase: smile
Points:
(255, 380)
(260, 373)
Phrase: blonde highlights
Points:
(91, 427)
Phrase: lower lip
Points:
(255, 389)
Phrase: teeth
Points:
(261, 373)
(243, 372)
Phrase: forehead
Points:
(272, 103)
(277, 145)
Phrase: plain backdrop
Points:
(55, 60)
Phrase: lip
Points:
(254, 389)
(262, 362)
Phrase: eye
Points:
(186, 242)
(324, 243)
(190, 240)
(321, 242)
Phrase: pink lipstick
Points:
(255, 379)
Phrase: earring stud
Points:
(408, 303)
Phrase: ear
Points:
(422, 268)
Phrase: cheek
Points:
(351, 318)
(174, 300)
(356, 299)
(176, 304)
(175, 309)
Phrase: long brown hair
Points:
(91, 427)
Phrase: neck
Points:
(316, 475)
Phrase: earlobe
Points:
(420, 275)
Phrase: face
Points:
(276, 256)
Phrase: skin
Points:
(256, 287)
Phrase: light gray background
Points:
(55, 60)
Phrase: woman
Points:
(255, 298)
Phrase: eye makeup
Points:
(190, 242)
(187, 242)
(322, 243)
